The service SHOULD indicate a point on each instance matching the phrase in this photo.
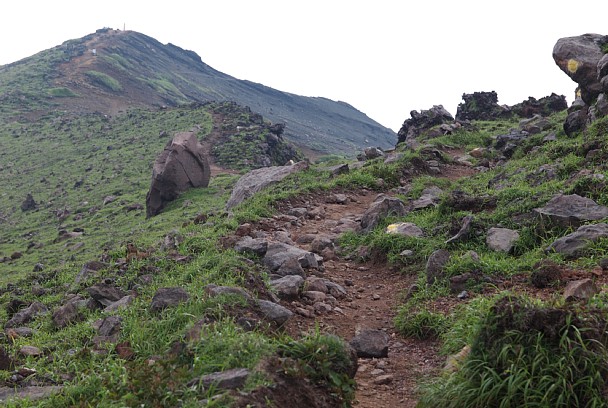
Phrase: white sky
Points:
(384, 57)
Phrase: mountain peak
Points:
(111, 71)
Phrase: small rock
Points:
(383, 379)
(501, 239)
(257, 246)
(30, 351)
(580, 290)
(65, 315)
(371, 344)
(288, 287)
(223, 380)
(406, 229)
(214, 290)
(26, 315)
(320, 243)
(435, 264)
(341, 199)
(168, 297)
(322, 308)
(119, 304)
(314, 296)
(463, 295)
(274, 312)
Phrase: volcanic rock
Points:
(423, 121)
(572, 244)
(259, 179)
(381, 208)
(179, 167)
(571, 210)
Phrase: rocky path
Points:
(373, 294)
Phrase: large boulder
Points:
(481, 106)
(584, 60)
(179, 167)
(573, 244)
(423, 121)
(259, 179)
(579, 57)
(544, 106)
(571, 210)
(381, 208)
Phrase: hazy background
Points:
(384, 57)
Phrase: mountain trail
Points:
(375, 291)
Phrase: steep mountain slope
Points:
(111, 71)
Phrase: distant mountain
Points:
(111, 71)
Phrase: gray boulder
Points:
(406, 229)
(291, 266)
(222, 380)
(257, 246)
(214, 290)
(578, 57)
(435, 265)
(278, 253)
(65, 315)
(168, 297)
(372, 153)
(371, 344)
(571, 210)
(106, 293)
(580, 289)
(379, 209)
(258, 179)
(429, 198)
(288, 287)
(423, 121)
(26, 315)
(181, 166)
(535, 124)
(501, 239)
(274, 312)
(88, 269)
(572, 244)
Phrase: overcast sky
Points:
(384, 57)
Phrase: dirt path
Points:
(374, 294)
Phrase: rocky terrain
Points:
(457, 269)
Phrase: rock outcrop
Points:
(481, 106)
(179, 167)
(584, 59)
(484, 106)
(259, 179)
(423, 121)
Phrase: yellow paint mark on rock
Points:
(572, 65)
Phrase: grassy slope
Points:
(108, 380)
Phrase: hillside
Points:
(112, 71)
(465, 268)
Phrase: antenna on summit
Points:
(124, 26)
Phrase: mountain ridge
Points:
(111, 71)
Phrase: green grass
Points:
(104, 80)
(529, 355)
